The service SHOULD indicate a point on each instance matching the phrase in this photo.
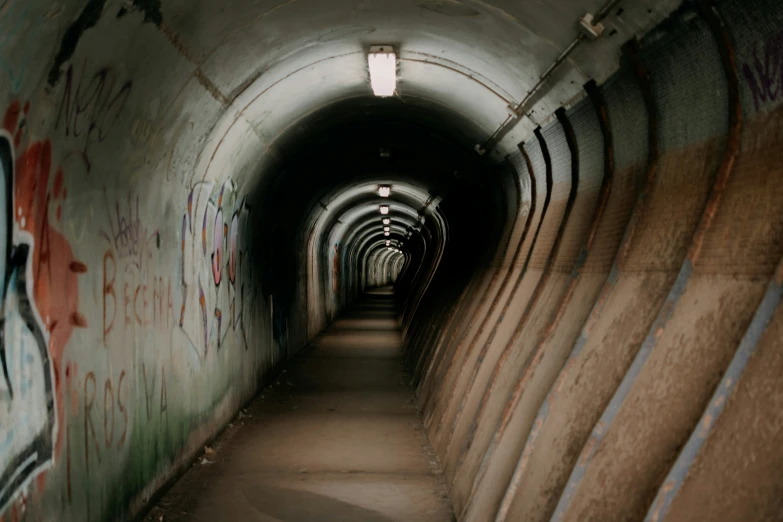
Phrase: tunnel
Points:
(366, 260)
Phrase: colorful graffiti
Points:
(39, 306)
(764, 73)
(210, 245)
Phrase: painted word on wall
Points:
(91, 105)
(764, 72)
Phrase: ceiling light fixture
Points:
(384, 209)
(387, 234)
(386, 229)
(384, 191)
(388, 242)
(386, 221)
(382, 61)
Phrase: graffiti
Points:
(764, 72)
(149, 392)
(103, 404)
(39, 291)
(129, 237)
(108, 291)
(146, 302)
(105, 415)
(212, 245)
(232, 253)
(218, 235)
(90, 390)
(91, 106)
(133, 294)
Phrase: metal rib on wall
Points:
(494, 453)
(630, 100)
(460, 371)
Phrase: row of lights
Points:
(382, 62)
(384, 191)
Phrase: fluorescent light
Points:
(384, 209)
(384, 192)
(382, 61)
(386, 221)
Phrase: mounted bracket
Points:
(591, 29)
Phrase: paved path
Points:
(338, 439)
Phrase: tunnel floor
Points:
(336, 438)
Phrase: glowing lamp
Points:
(382, 62)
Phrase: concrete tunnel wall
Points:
(582, 378)
(592, 322)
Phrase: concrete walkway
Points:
(338, 439)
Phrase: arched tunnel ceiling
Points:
(262, 67)
(280, 62)
(370, 232)
(339, 205)
(362, 225)
(368, 212)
